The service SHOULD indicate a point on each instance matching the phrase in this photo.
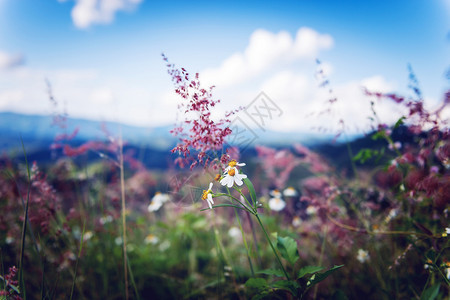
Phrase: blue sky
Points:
(103, 56)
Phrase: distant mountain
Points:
(152, 145)
(38, 131)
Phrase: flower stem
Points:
(124, 222)
(245, 242)
(273, 248)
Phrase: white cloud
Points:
(306, 107)
(267, 50)
(269, 63)
(102, 96)
(10, 98)
(9, 61)
(89, 12)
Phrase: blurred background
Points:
(343, 106)
(101, 60)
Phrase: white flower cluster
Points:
(230, 176)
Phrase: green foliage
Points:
(251, 190)
(318, 277)
(365, 155)
(272, 272)
(288, 285)
(256, 285)
(399, 122)
(288, 249)
(431, 293)
(308, 270)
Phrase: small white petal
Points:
(230, 182)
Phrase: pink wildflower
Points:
(203, 134)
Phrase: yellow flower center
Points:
(232, 163)
(231, 172)
(205, 194)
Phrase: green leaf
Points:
(431, 292)
(251, 190)
(399, 122)
(273, 272)
(380, 135)
(256, 285)
(363, 155)
(288, 249)
(287, 285)
(308, 270)
(318, 277)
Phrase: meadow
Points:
(229, 223)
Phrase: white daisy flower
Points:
(311, 210)
(275, 194)
(232, 164)
(296, 221)
(290, 192)
(87, 235)
(151, 239)
(154, 205)
(9, 240)
(234, 232)
(164, 246)
(363, 256)
(232, 176)
(161, 197)
(428, 263)
(276, 204)
(207, 195)
(157, 201)
(105, 220)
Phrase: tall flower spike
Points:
(232, 176)
(207, 195)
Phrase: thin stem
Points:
(240, 192)
(273, 248)
(242, 232)
(350, 154)
(78, 259)
(124, 224)
(24, 227)
(232, 197)
(322, 251)
(389, 232)
(245, 242)
(255, 240)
